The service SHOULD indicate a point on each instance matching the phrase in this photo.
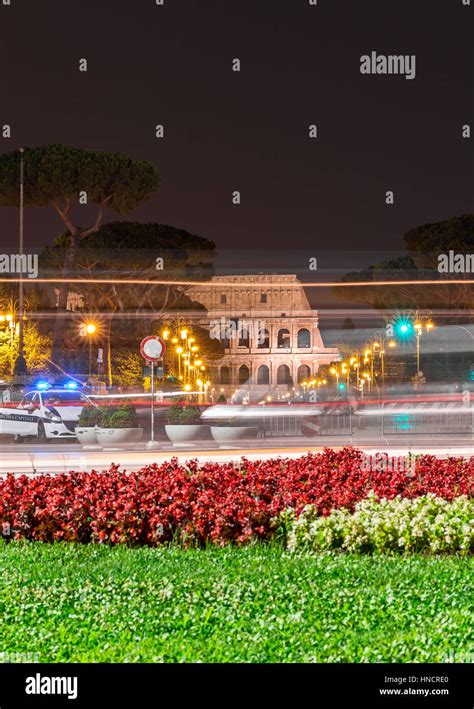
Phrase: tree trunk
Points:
(61, 310)
(68, 269)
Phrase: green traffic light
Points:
(404, 329)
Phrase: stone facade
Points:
(271, 333)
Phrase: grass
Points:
(90, 603)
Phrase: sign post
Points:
(100, 360)
(152, 349)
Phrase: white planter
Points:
(107, 437)
(225, 435)
(183, 434)
(86, 435)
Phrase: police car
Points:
(46, 413)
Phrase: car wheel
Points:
(42, 433)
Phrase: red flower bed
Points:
(218, 503)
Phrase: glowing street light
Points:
(179, 352)
(90, 330)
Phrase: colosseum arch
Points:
(283, 374)
(304, 338)
(224, 375)
(263, 374)
(244, 374)
(303, 373)
(284, 338)
(263, 339)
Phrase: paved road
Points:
(60, 457)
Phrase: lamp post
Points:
(345, 369)
(179, 352)
(414, 322)
(22, 239)
(90, 329)
(375, 346)
(9, 321)
(186, 350)
(419, 326)
(200, 385)
(20, 368)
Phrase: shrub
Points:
(422, 524)
(123, 419)
(89, 416)
(179, 414)
(123, 416)
(234, 422)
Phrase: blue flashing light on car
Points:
(43, 385)
(71, 385)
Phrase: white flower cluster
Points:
(422, 524)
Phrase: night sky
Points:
(248, 131)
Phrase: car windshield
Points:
(63, 398)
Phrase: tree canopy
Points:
(62, 177)
(125, 251)
(423, 245)
(55, 175)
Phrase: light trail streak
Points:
(212, 284)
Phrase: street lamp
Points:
(378, 345)
(200, 385)
(345, 369)
(12, 327)
(179, 352)
(419, 325)
(20, 364)
(335, 372)
(90, 329)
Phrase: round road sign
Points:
(152, 348)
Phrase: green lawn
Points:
(84, 604)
